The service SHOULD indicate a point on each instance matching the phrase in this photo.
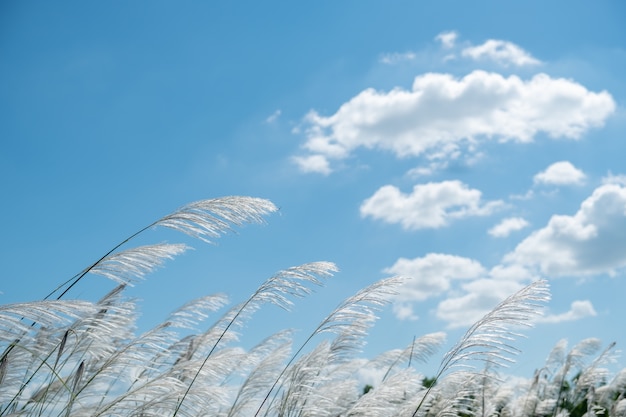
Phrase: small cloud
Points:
(396, 57)
(578, 310)
(560, 173)
(502, 52)
(526, 196)
(273, 117)
(507, 226)
(447, 39)
(425, 171)
(430, 205)
(313, 164)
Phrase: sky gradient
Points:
(474, 148)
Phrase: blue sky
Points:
(475, 147)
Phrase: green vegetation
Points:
(77, 358)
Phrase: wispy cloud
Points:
(430, 205)
(273, 117)
(579, 309)
(592, 241)
(442, 114)
(397, 57)
(447, 39)
(560, 173)
(502, 52)
(507, 226)
(614, 179)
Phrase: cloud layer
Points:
(590, 242)
(443, 120)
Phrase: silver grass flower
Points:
(595, 373)
(17, 318)
(575, 358)
(616, 387)
(357, 313)
(205, 220)
(124, 267)
(390, 398)
(294, 282)
(420, 350)
(489, 339)
(192, 313)
(300, 380)
(270, 356)
(353, 317)
(209, 219)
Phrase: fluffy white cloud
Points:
(500, 51)
(578, 310)
(313, 163)
(507, 226)
(561, 173)
(592, 241)
(430, 205)
(481, 296)
(430, 276)
(442, 114)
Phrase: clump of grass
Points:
(63, 357)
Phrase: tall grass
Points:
(64, 357)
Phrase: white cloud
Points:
(481, 296)
(502, 52)
(512, 273)
(561, 173)
(578, 310)
(313, 163)
(430, 205)
(430, 276)
(447, 39)
(442, 115)
(592, 241)
(273, 117)
(396, 57)
(467, 290)
(507, 226)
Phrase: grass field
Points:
(63, 357)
